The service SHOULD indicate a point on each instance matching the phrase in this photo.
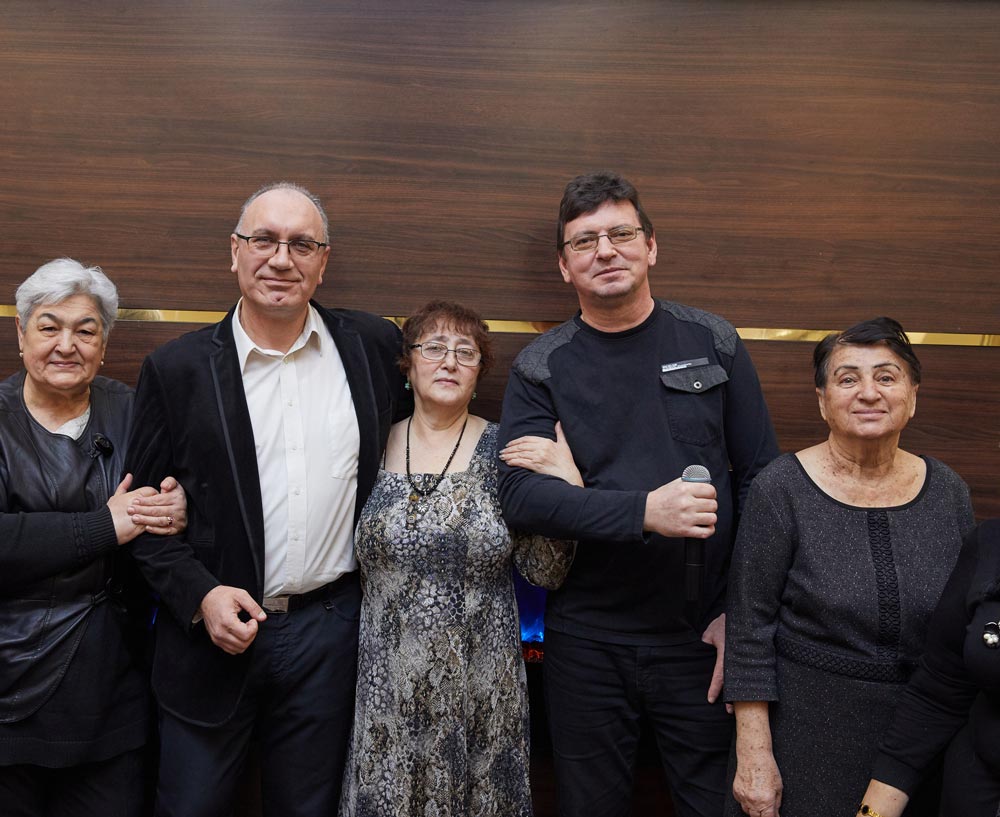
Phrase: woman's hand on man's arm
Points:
(164, 512)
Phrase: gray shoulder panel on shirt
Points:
(532, 362)
(724, 334)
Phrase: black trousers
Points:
(110, 788)
(299, 705)
(596, 696)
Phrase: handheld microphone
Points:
(694, 552)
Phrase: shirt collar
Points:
(311, 335)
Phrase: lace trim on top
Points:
(887, 585)
(864, 669)
(74, 428)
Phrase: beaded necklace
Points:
(417, 490)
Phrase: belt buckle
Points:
(276, 604)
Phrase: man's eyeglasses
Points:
(587, 242)
(435, 352)
(265, 246)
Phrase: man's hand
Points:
(220, 610)
(715, 634)
(163, 513)
(682, 509)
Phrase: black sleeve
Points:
(549, 505)
(34, 546)
(935, 704)
(750, 440)
(167, 562)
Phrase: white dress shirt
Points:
(306, 435)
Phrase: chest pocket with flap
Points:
(695, 403)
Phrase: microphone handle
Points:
(694, 569)
(694, 557)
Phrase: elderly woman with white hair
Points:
(73, 701)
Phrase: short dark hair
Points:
(586, 193)
(451, 315)
(867, 333)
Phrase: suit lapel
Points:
(231, 403)
(352, 355)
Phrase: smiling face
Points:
(611, 274)
(63, 345)
(280, 285)
(443, 382)
(869, 393)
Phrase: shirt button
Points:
(697, 384)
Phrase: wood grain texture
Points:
(807, 165)
(838, 156)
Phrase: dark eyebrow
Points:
(882, 365)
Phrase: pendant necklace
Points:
(417, 491)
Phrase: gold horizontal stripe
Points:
(537, 327)
(171, 315)
(916, 338)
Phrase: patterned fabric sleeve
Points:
(544, 562)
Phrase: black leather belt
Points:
(290, 603)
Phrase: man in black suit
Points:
(273, 421)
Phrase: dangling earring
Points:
(473, 395)
(406, 385)
(102, 361)
(21, 355)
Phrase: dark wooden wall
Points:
(806, 165)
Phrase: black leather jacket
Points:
(57, 539)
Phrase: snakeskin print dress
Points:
(441, 725)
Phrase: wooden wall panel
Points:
(845, 153)
(806, 164)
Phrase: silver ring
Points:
(170, 521)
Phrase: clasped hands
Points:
(145, 509)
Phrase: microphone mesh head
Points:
(696, 473)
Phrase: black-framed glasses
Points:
(265, 246)
(436, 352)
(587, 242)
